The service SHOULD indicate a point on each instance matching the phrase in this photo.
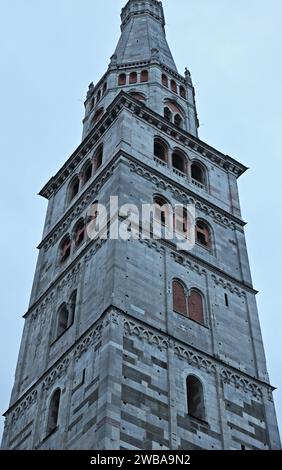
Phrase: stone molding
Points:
(123, 100)
(145, 333)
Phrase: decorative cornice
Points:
(64, 277)
(57, 370)
(243, 383)
(195, 357)
(124, 100)
(76, 209)
(24, 405)
(180, 192)
(150, 335)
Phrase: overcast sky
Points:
(50, 50)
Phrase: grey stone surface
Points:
(122, 365)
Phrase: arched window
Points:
(105, 88)
(161, 210)
(179, 161)
(138, 96)
(160, 150)
(180, 220)
(122, 79)
(99, 157)
(173, 86)
(164, 80)
(144, 76)
(133, 77)
(53, 413)
(97, 116)
(203, 234)
(167, 114)
(87, 172)
(74, 188)
(62, 320)
(65, 249)
(198, 174)
(98, 96)
(195, 397)
(196, 307)
(178, 121)
(79, 232)
(72, 306)
(182, 92)
(179, 298)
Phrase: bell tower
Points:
(135, 344)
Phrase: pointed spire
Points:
(143, 34)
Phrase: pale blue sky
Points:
(50, 50)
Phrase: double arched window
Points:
(190, 304)
(173, 113)
(195, 398)
(70, 243)
(88, 170)
(65, 316)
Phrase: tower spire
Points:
(143, 31)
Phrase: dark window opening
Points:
(160, 210)
(164, 80)
(79, 233)
(74, 188)
(167, 114)
(122, 79)
(160, 150)
(173, 86)
(178, 162)
(144, 76)
(197, 173)
(87, 172)
(62, 320)
(99, 158)
(178, 121)
(53, 412)
(65, 249)
(226, 300)
(72, 307)
(133, 77)
(195, 398)
(202, 234)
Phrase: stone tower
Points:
(135, 344)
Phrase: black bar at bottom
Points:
(125, 459)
